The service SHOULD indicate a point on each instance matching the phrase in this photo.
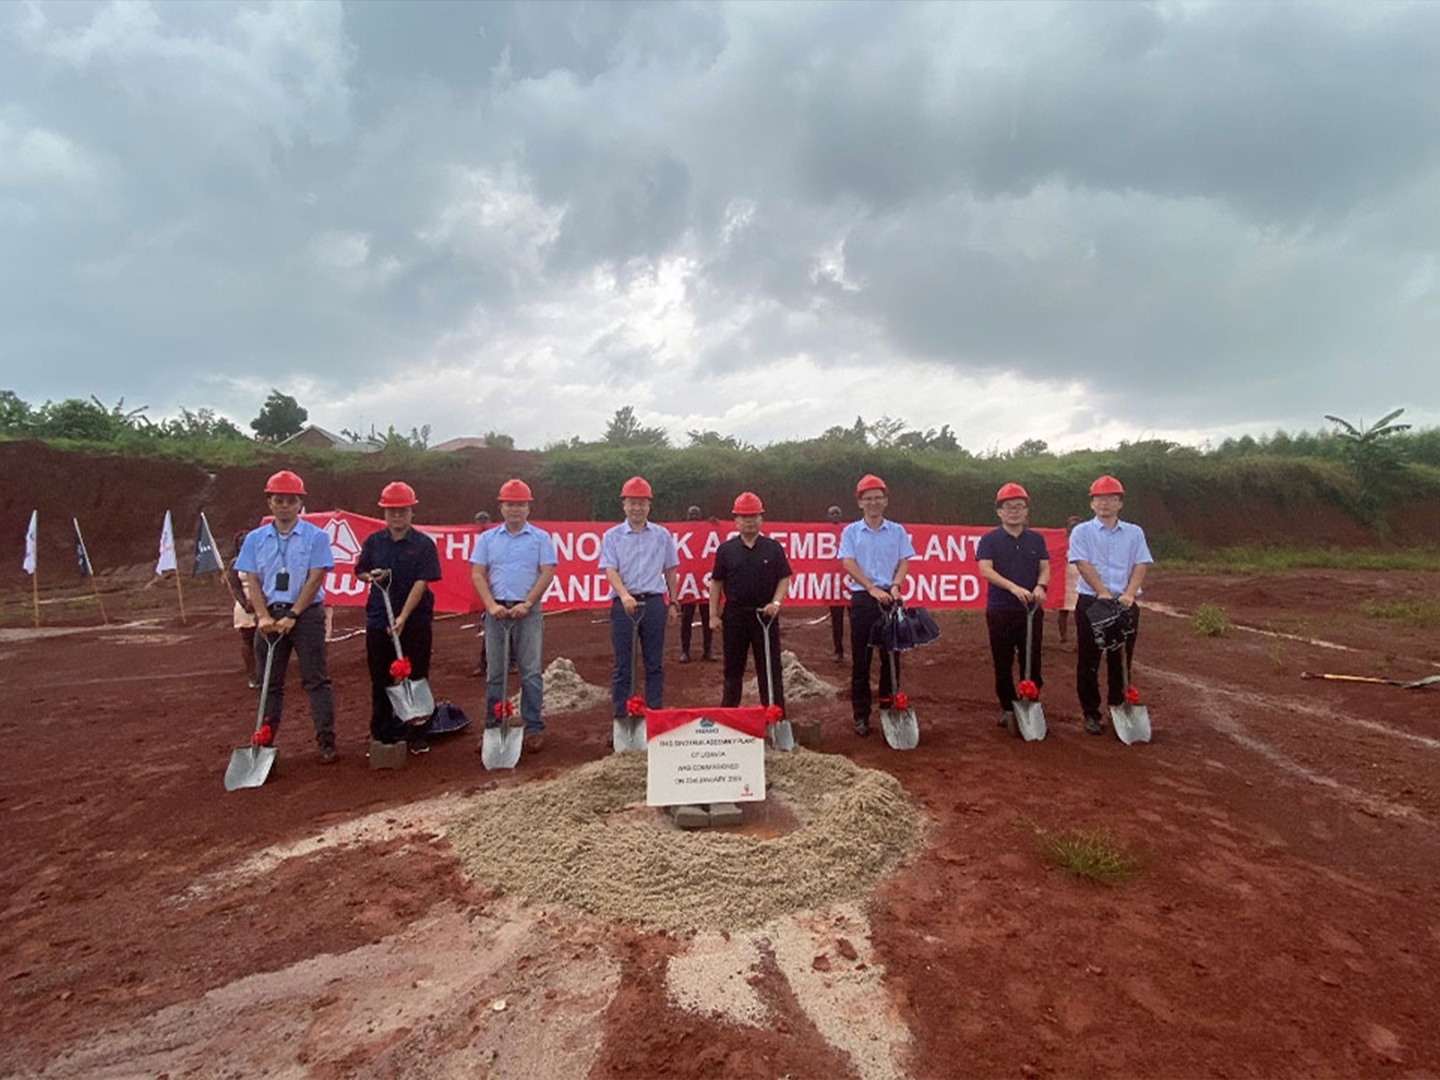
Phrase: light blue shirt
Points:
(876, 551)
(265, 553)
(1112, 552)
(641, 557)
(512, 561)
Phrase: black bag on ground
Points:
(447, 717)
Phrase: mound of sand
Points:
(566, 691)
(588, 841)
(801, 684)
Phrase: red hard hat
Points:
(747, 502)
(397, 494)
(1011, 491)
(636, 488)
(284, 482)
(1107, 485)
(515, 491)
(869, 482)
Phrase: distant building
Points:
(317, 438)
(466, 445)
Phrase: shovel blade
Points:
(249, 767)
(902, 730)
(780, 735)
(500, 747)
(411, 700)
(629, 734)
(1030, 718)
(1131, 723)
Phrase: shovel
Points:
(629, 731)
(902, 730)
(780, 734)
(1029, 715)
(250, 765)
(410, 699)
(1132, 722)
(1406, 684)
(500, 745)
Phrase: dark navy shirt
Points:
(1015, 557)
(410, 559)
(749, 576)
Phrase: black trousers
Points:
(865, 612)
(379, 655)
(837, 628)
(1087, 661)
(1007, 651)
(307, 641)
(687, 616)
(741, 633)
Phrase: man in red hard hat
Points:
(1015, 564)
(639, 560)
(876, 553)
(687, 613)
(754, 574)
(282, 565)
(403, 561)
(512, 566)
(1112, 557)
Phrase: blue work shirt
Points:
(641, 556)
(1017, 558)
(877, 551)
(410, 559)
(1112, 552)
(265, 553)
(512, 561)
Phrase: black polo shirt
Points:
(749, 576)
(410, 559)
(1015, 557)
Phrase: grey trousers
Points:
(307, 641)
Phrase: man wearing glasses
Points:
(1016, 565)
(1112, 558)
(876, 554)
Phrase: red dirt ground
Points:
(1285, 920)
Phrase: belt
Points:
(280, 610)
(643, 595)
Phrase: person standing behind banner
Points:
(687, 613)
(1112, 557)
(513, 566)
(243, 617)
(283, 565)
(876, 553)
(755, 575)
(639, 561)
(837, 611)
(1072, 582)
(1015, 564)
(402, 560)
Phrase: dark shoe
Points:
(709, 656)
(1005, 719)
(419, 746)
(254, 684)
(328, 754)
(839, 657)
(684, 657)
(1093, 725)
(534, 743)
(862, 726)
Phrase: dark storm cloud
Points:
(1189, 210)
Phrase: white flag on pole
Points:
(167, 547)
(30, 533)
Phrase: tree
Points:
(714, 440)
(200, 424)
(625, 430)
(1030, 448)
(943, 440)
(885, 431)
(498, 440)
(15, 415)
(280, 417)
(75, 418)
(857, 434)
(1371, 449)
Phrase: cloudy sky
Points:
(1076, 222)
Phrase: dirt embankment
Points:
(121, 501)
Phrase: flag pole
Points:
(90, 570)
(181, 593)
(35, 594)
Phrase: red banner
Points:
(943, 574)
